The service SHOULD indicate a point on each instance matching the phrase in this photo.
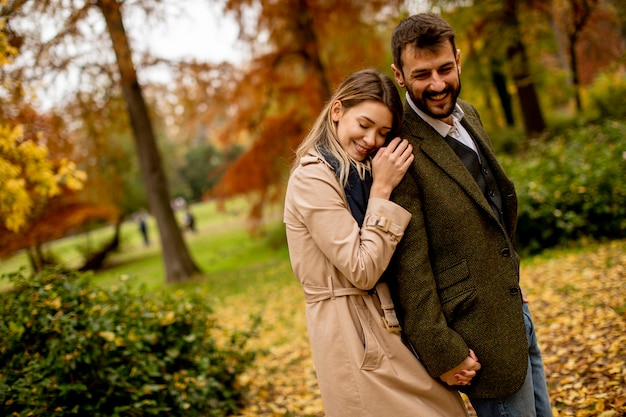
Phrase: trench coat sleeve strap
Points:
(389, 317)
(361, 255)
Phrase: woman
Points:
(342, 231)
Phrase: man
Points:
(455, 272)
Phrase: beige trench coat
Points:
(362, 368)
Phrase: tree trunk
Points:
(581, 12)
(574, 72)
(37, 259)
(178, 263)
(499, 81)
(534, 123)
(95, 261)
(36, 263)
(305, 33)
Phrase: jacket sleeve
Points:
(316, 199)
(439, 347)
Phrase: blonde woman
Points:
(342, 231)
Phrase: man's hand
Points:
(463, 373)
(524, 298)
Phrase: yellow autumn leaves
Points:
(579, 303)
(579, 306)
(27, 174)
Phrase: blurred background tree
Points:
(304, 49)
(178, 263)
(225, 129)
(38, 197)
(76, 34)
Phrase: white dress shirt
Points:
(455, 131)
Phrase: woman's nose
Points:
(370, 139)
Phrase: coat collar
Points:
(430, 142)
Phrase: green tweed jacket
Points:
(455, 274)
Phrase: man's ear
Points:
(398, 75)
(458, 60)
(336, 110)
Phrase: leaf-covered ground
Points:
(579, 307)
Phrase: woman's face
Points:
(363, 128)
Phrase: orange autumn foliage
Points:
(54, 216)
(307, 48)
(60, 219)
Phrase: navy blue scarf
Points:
(357, 190)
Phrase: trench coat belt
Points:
(380, 294)
(316, 294)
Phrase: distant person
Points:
(455, 272)
(342, 230)
(143, 227)
(179, 203)
(190, 220)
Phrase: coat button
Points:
(513, 291)
(506, 252)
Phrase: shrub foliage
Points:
(570, 186)
(70, 348)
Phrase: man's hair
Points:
(423, 31)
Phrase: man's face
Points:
(431, 78)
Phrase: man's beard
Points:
(436, 112)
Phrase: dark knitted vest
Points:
(482, 173)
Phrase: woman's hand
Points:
(389, 166)
(463, 373)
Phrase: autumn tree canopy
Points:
(304, 48)
(28, 175)
(515, 55)
(78, 38)
(524, 48)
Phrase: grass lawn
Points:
(221, 245)
(578, 300)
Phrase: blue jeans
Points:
(532, 399)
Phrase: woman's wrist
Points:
(380, 191)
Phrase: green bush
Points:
(70, 348)
(570, 186)
(607, 95)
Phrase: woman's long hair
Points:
(364, 85)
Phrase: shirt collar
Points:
(441, 127)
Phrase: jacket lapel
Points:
(507, 188)
(435, 147)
